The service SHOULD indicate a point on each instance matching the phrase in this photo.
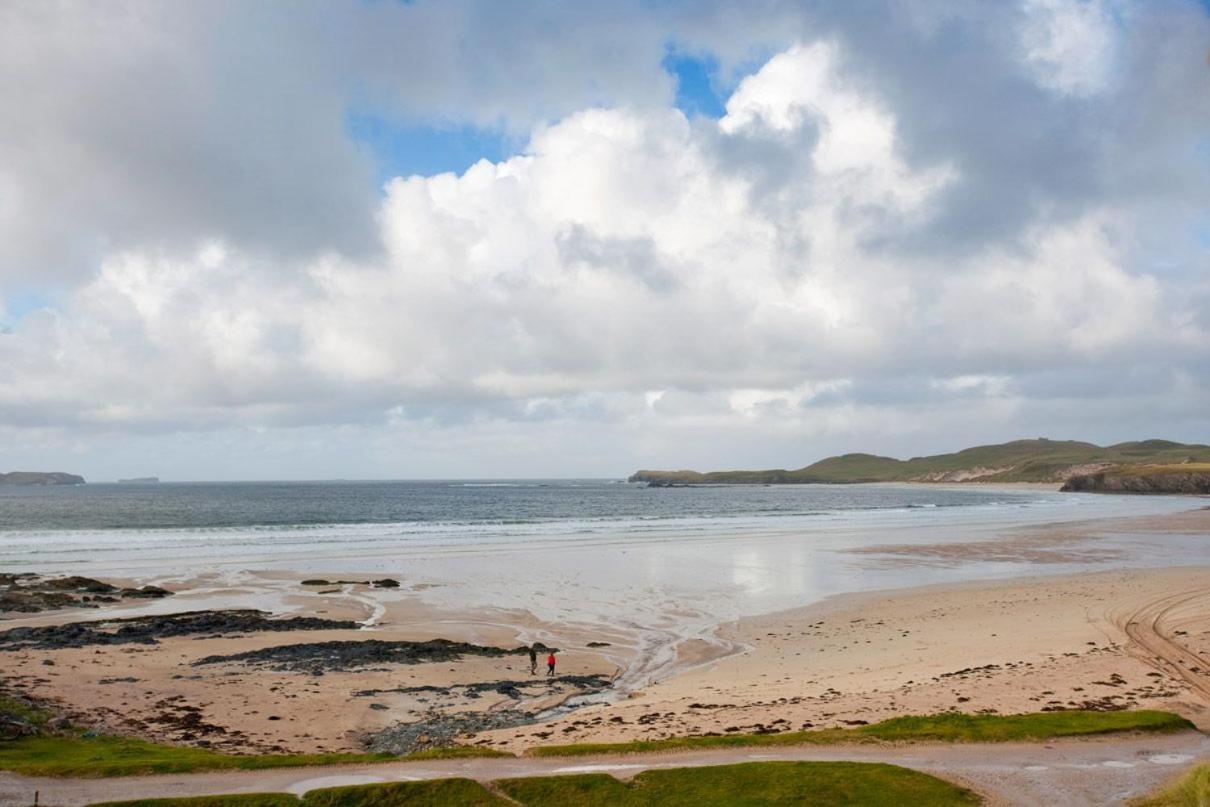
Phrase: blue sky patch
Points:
(16, 306)
(402, 149)
(697, 84)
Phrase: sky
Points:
(292, 239)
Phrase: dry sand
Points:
(1126, 639)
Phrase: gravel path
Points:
(1072, 772)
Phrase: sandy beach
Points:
(1110, 640)
(161, 692)
(1113, 639)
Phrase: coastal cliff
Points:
(1039, 460)
(40, 478)
(1190, 478)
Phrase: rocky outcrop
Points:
(30, 593)
(1173, 480)
(440, 730)
(149, 630)
(320, 657)
(40, 478)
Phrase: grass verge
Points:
(817, 783)
(822, 784)
(74, 755)
(1191, 790)
(80, 756)
(933, 728)
(433, 793)
(231, 800)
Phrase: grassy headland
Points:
(1038, 460)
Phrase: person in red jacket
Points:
(550, 664)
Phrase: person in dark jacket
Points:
(533, 659)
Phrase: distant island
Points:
(140, 480)
(1102, 467)
(40, 478)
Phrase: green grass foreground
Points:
(79, 756)
(57, 755)
(231, 800)
(1191, 790)
(749, 783)
(953, 728)
(822, 784)
(434, 793)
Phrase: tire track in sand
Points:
(1150, 629)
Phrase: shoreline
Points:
(874, 654)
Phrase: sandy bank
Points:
(1107, 640)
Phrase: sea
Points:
(153, 529)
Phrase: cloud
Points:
(1069, 44)
(948, 226)
(144, 123)
(621, 252)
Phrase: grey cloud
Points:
(637, 258)
(139, 124)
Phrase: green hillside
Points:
(1039, 460)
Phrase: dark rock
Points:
(145, 593)
(77, 583)
(10, 578)
(31, 602)
(26, 593)
(585, 683)
(438, 730)
(149, 629)
(385, 583)
(347, 655)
